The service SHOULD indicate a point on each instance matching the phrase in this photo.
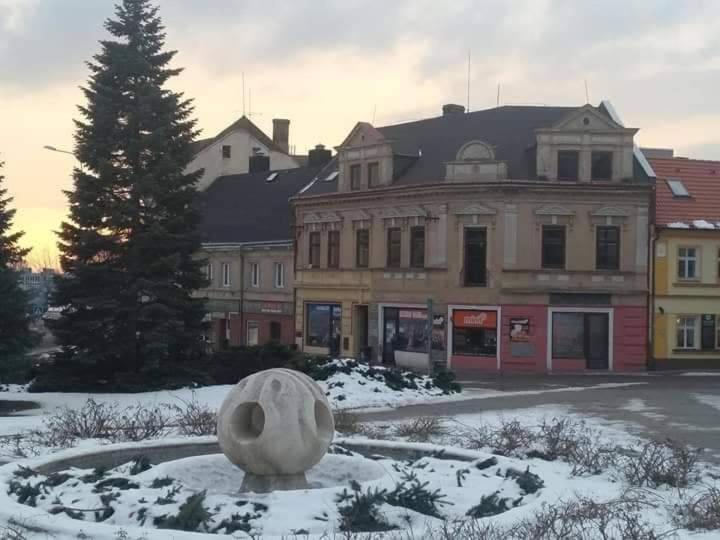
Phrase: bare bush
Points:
(92, 421)
(194, 418)
(510, 437)
(658, 463)
(139, 423)
(701, 511)
(347, 423)
(421, 429)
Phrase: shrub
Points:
(701, 511)
(194, 418)
(445, 380)
(529, 482)
(659, 463)
(412, 494)
(511, 436)
(139, 423)
(360, 512)
(421, 429)
(92, 421)
(191, 515)
(491, 505)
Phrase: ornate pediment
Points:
(321, 217)
(609, 211)
(402, 212)
(554, 210)
(357, 215)
(476, 210)
(586, 118)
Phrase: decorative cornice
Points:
(554, 210)
(476, 210)
(609, 211)
(321, 217)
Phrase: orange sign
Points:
(475, 319)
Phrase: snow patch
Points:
(702, 224)
(678, 225)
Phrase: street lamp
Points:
(54, 149)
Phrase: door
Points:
(253, 333)
(597, 346)
(361, 333)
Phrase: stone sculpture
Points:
(275, 425)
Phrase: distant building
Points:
(39, 285)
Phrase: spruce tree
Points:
(128, 247)
(16, 336)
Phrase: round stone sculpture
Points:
(275, 425)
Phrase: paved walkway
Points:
(679, 407)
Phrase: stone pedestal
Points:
(261, 483)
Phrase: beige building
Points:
(523, 229)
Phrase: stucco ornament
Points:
(275, 423)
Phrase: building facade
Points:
(686, 303)
(39, 285)
(512, 239)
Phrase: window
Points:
(568, 335)
(225, 274)
(253, 333)
(417, 247)
(323, 326)
(314, 255)
(553, 246)
(362, 248)
(707, 332)
(607, 255)
(474, 333)
(601, 165)
(475, 257)
(279, 271)
(718, 263)
(333, 249)
(686, 332)
(254, 275)
(677, 187)
(394, 247)
(226, 150)
(373, 173)
(354, 177)
(687, 263)
(275, 331)
(567, 164)
(209, 272)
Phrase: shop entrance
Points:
(582, 336)
(405, 339)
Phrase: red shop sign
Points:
(475, 319)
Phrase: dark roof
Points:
(247, 208)
(702, 181)
(241, 123)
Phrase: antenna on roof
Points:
(468, 83)
(587, 94)
(243, 86)
(498, 96)
(249, 101)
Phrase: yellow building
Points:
(686, 285)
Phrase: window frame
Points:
(366, 234)
(604, 266)
(373, 180)
(209, 272)
(255, 274)
(391, 256)
(603, 153)
(226, 151)
(568, 152)
(225, 274)
(466, 256)
(414, 254)
(252, 324)
(544, 264)
(684, 260)
(279, 275)
(333, 251)
(314, 249)
(355, 179)
(684, 328)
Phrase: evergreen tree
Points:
(15, 334)
(128, 247)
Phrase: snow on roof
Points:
(702, 224)
(678, 225)
(696, 224)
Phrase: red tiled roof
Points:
(702, 180)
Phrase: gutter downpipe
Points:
(242, 297)
(651, 366)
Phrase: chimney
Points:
(259, 163)
(281, 133)
(452, 108)
(319, 156)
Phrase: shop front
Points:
(404, 330)
(580, 339)
(323, 328)
(473, 338)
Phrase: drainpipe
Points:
(242, 297)
(652, 240)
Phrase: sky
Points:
(328, 64)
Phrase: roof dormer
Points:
(475, 161)
(365, 159)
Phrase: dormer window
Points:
(226, 150)
(568, 162)
(602, 165)
(677, 188)
(354, 177)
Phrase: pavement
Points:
(657, 405)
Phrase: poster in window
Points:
(438, 333)
(520, 329)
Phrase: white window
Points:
(687, 263)
(253, 333)
(677, 187)
(209, 272)
(279, 270)
(687, 329)
(254, 274)
(225, 274)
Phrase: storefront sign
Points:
(519, 329)
(419, 314)
(475, 319)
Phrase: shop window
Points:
(417, 247)
(323, 326)
(568, 335)
(568, 162)
(275, 331)
(354, 177)
(475, 333)
(687, 263)
(608, 248)
(373, 172)
(405, 330)
(394, 247)
(362, 248)
(475, 257)
(553, 246)
(686, 328)
(314, 255)
(333, 249)
(601, 168)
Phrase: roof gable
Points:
(241, 124)
(363, 134)
(586, 118)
